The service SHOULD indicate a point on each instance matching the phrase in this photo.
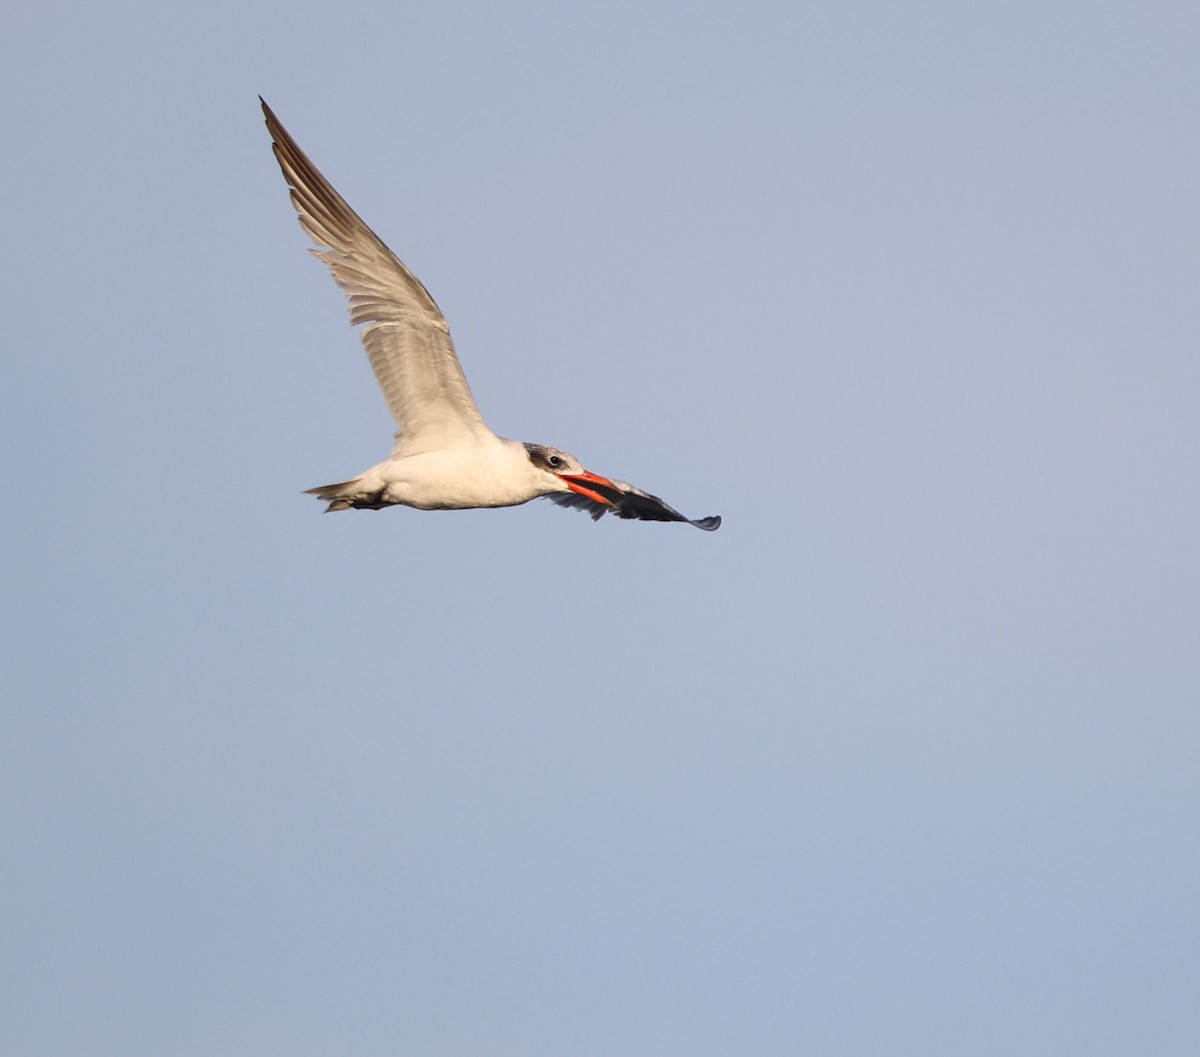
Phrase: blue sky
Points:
(901, 761)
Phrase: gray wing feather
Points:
(405, 334)
(631, 503)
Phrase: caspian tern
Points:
(445, 457)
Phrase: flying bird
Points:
(445, 457)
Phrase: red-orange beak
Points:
(579, 482)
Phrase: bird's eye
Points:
(554, 460)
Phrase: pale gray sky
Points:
(901, 761)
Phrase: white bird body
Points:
(486, 472)
(445, 457)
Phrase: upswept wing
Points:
(405, 334)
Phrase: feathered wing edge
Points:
(630, 503)
(405, 334)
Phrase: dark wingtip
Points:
(709, 524)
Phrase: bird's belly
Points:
(450, 481)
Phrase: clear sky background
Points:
(901, 761)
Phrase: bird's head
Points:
(563, 472)
(569, 484)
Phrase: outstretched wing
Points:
(628, 502)
(406, 336)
